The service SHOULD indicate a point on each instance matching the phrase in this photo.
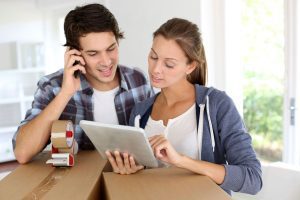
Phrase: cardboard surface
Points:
(163, 183)
(91, 178)
(37, 180)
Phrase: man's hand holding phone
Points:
(74, 62)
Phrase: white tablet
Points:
(122, 138)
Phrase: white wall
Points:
(20, 21)
(220, 24)
(54, 12)
(141, 18)
(138, 20)
(39, 20)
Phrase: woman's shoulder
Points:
(141, 109)
(145, 104)
(215, 95)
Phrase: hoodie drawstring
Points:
(210, 125)
(200, 126)
(200, 129)
(137, 121)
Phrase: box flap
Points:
(161, 183)
(36, 179)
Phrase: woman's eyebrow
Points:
(171, 59)
(164, 58)
(153, 51)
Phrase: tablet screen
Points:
(122, 138)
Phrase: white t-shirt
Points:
(181, 132)
(104, 106)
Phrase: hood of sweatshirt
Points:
(202, 102)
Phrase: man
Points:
(102, 90)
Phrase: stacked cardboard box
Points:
(91, 178)
(37, 180)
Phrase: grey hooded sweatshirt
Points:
(225, 139)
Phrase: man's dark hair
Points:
(87, 19)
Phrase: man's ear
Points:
(191, 67)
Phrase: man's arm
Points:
(33, 136)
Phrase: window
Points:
(263, 75)
(252, 52)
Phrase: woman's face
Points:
(167, 63)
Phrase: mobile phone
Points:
(77, 72)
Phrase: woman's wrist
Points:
(181, 161)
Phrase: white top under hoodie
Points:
(180, 131)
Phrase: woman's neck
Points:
(177, 93)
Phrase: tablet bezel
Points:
(128, 139)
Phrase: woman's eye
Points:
(92, 54)
(169, 65)
(153, 58)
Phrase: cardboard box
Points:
(161, 183)
(91, 178)
(37, 180)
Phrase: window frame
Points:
(218, 29)
(291, 151)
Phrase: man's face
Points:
(101, 54)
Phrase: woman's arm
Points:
(215, 171)
(164, 151)
(243, 169)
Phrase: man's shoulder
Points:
(54, 79)
(131, 71)
(133, 76)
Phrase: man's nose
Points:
(105, 60)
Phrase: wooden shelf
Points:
(22, 66)
(10, 101)
(26, 70)
(16, 100)
(8, 129)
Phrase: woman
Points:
(189, 125)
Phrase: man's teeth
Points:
(104, 70)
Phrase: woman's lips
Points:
(156, 79)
